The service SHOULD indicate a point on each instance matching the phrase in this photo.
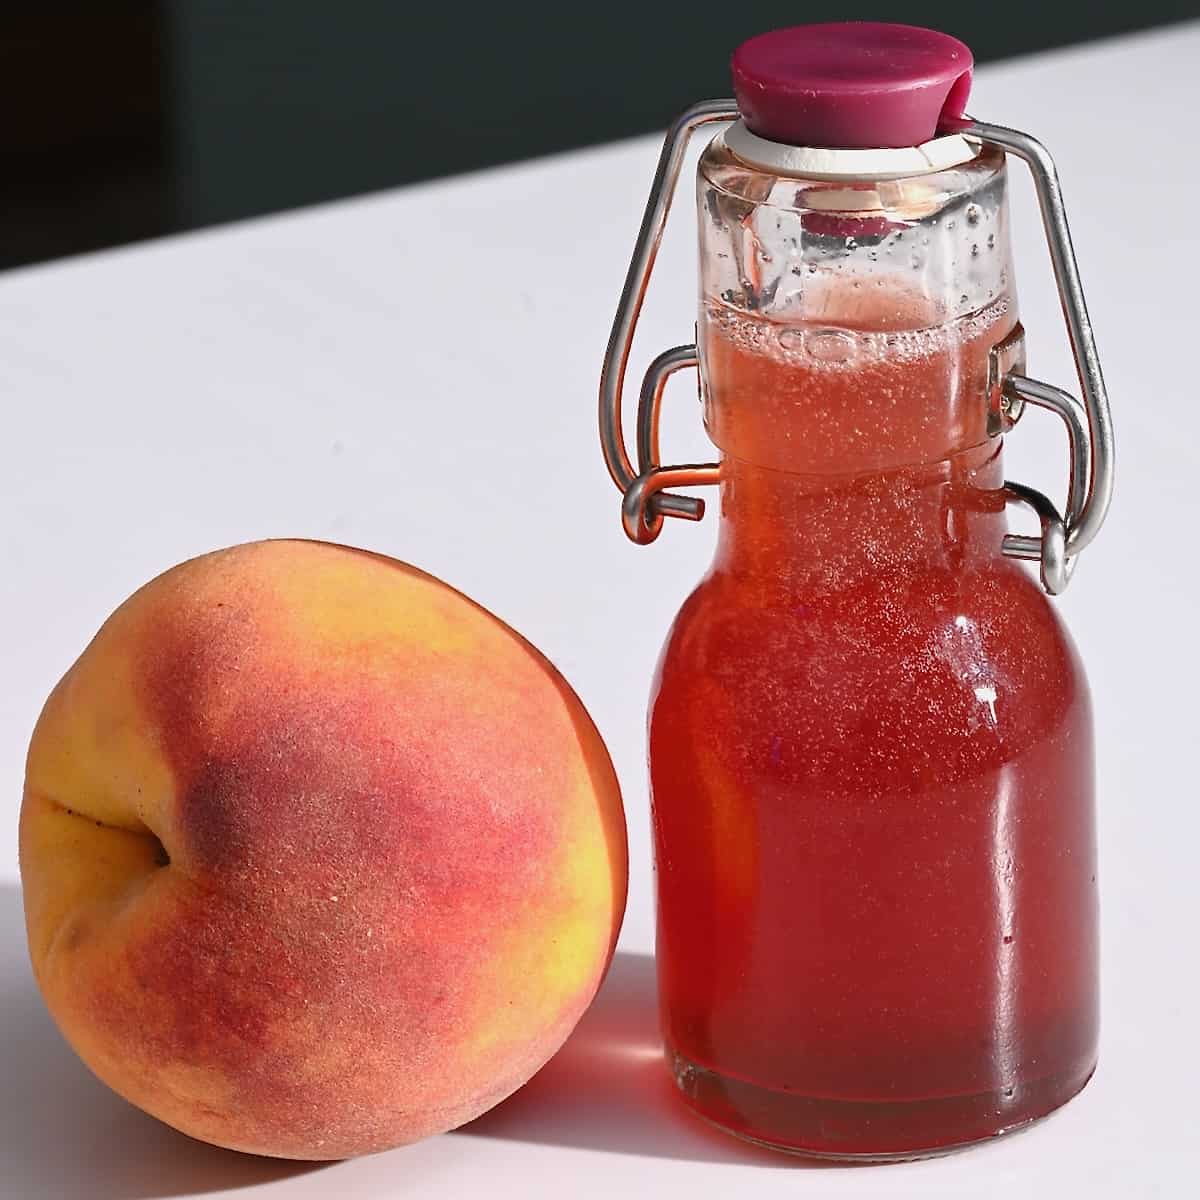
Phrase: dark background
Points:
(124, 120)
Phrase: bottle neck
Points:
(845, 338)
(823, 533)
(850, 451)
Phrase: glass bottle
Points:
(870, 735)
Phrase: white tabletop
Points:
(415, 372)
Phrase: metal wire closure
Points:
(646, 500)
(1089, 424)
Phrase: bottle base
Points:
(866, 1132)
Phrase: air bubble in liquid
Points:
(829, 345)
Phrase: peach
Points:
(319, 857)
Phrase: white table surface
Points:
(415, 372)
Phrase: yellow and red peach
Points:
(319, 857)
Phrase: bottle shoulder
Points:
(931, 652)
(992, 597)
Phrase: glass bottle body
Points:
(870, 736)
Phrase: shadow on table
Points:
(64, 1135)
(608, 1088)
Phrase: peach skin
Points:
(319, 857)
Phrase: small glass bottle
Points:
(870, 734)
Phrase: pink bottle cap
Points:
(852, 85)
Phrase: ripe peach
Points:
(319, 857)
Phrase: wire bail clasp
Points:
(1089, 422)
(646, 500)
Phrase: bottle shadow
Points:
(608, 1088)
(64, 1134)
